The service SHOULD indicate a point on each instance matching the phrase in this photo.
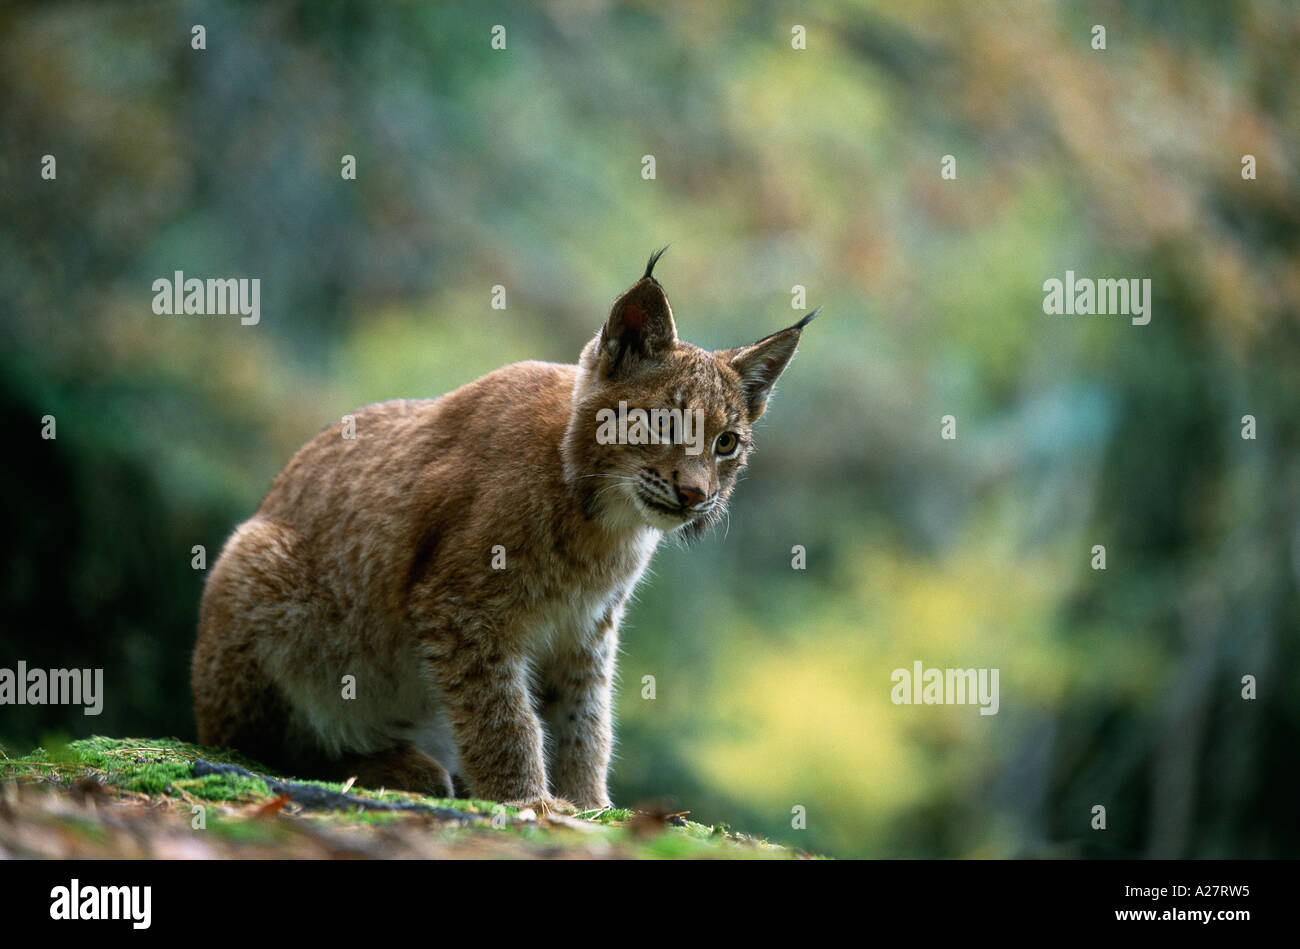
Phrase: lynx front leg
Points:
(499, 736)
(578, 686)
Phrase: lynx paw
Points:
(544, 807)
(404, 769)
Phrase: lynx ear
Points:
(761, 364)
(640, 323)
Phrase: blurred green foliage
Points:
(776, 167)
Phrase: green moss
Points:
(163, 769)
(672, 847)
(145, 766)
(248, 831)
(87, 830)
(615, 815)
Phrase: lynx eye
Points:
(726, 444)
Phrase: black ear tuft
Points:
(761, 364)
(797, 327)
(654, 259)
(807, 319)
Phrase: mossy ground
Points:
(125, 797)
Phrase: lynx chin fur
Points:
(465, 561)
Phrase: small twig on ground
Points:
(312, 797)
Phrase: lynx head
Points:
(661, 429)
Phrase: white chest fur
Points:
(579, 614)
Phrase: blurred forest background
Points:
(775, 167)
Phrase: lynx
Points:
(433, 603)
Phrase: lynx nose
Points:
(689, 497)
